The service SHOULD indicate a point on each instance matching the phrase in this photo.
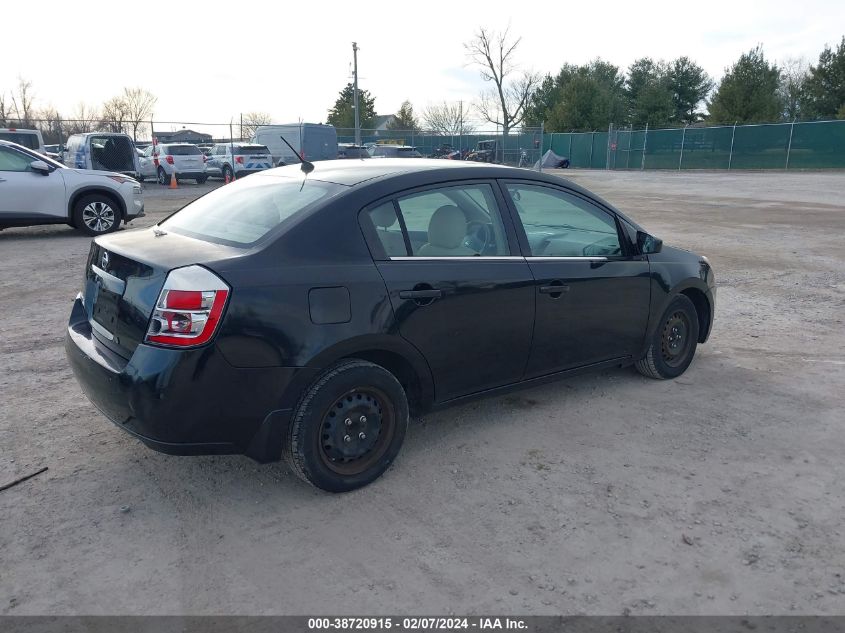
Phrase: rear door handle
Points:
(554, 289)
(421, 294)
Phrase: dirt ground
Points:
(720, 492)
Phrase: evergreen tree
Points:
(342, 114)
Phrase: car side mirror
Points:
(41, 167)
(648, 244)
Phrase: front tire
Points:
(348, 427)
(96, 214)
(673, 342)
(228, 174)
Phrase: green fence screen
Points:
(810, 145)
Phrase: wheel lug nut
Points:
(347, 438)
(362, 436)
(362, 419)
(348, 421)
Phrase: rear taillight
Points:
(169, 159)
(188, 309)
(239, 160)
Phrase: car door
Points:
(460, 292)
(592, 288)
(145, 163)
(25, 193)
(213, 164)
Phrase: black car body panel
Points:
(321, 288)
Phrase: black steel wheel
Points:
(673, 342)
(348, 426)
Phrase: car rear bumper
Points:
(191, 174)
(182, 402)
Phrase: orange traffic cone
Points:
(173, 184)
(226, 178)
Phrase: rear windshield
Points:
(21, 138)
(252, 149)
(181, 150)
(242, 213)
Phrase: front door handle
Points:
(421, 294)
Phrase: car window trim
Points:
(627, 251)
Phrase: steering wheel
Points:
(478, 237)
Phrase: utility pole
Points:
(355, 93)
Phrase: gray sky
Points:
(209, 61)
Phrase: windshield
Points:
(242, 213)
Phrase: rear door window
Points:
(21, 138)
(184, 150)
(252, 149)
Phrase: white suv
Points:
(233, 160)
(37, 190)
(160, 162)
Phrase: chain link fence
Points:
(799, 145)
(804, 145)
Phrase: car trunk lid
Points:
(124, 276)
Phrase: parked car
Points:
(484, 152)
(311, 141)
(306, 316)
(31, 139)
(102, 151)
(35, 189)
(161, 162)
(394, 151)
(233, 160)
(54, 151)
(350, 150)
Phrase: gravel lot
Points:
(719, 492)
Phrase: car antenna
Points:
(306, 167)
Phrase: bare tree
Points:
(251, 121)
(139, 104)
(4, 112)
(22, 103)
(52, 125)
(504, 104)
(447, 119)
(83, 119)
(114, 116)
(793, 72)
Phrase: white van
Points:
(104, 151)
(31, 139)
(312, 141)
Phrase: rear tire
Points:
(140, 178)
(673, 343)
(96, 214)
(163, 178)
(348, 427)
(201, 180)
(227, 173)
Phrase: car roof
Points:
(352, 172)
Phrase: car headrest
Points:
(447, 227)
(384, 216)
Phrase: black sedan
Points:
(308, 314)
